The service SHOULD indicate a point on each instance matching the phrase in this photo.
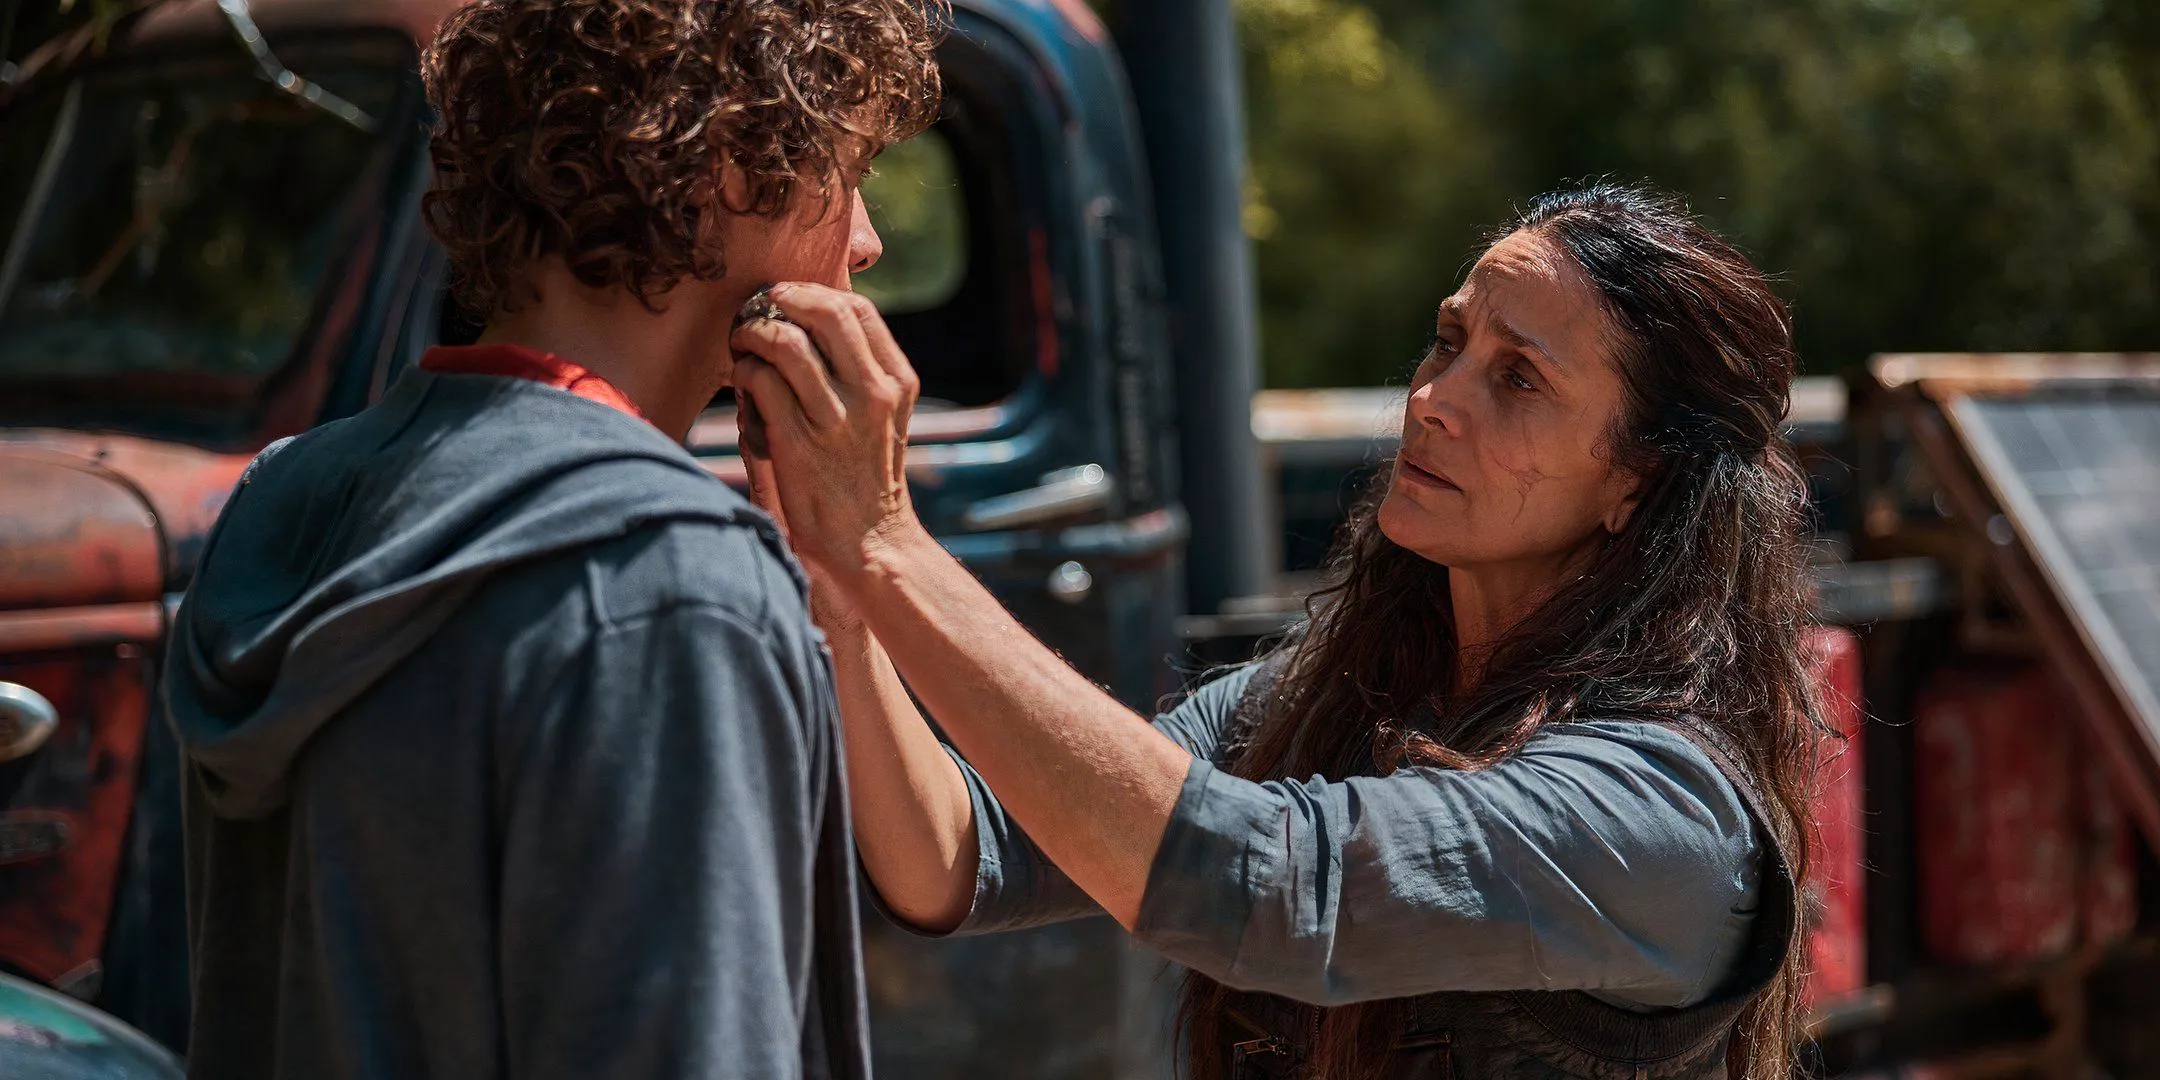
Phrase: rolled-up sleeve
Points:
(1016, 885)
(1603, 857)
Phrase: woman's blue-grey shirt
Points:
(1611, 857)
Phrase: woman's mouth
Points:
(1423, 477)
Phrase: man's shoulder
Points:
(279, 463)
(738, 567)
(727, 581)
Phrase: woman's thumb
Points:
(764, 484)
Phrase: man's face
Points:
(814, 241)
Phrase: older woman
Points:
(1526, 798)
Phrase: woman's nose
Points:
(1437, 404)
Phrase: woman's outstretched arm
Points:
(914, 824)
(1613, 858)
(1090, 781)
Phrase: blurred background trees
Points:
(1921, 174)
(26, 24)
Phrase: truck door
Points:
(1019, 277)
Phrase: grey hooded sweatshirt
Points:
(511, 753)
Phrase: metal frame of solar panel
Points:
(2055, 461)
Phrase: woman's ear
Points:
(1617, 516)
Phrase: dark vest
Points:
(1534, 1034)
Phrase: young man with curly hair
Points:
(512, 748)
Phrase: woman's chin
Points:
(1415, 528)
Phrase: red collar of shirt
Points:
(519, 362)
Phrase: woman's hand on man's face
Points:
(829, 604)
(832, 393)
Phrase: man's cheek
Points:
(832, 257)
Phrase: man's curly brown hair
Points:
(594, 130)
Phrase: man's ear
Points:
(734, 187)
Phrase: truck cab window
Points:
(920, 211)
(956, 209)
(173, 225)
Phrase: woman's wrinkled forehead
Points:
(1526, 287)
(1531, 257)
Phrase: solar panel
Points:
(2077, 473)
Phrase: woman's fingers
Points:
(756, 450)
(894, 363)
(836, 326)
(765, 491)
(855, 339)
(835, 435)
(749, 427)
(885, 349)
(787, 350)
(767, 394)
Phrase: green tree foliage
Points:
(918, 208)
(1366, 191)
(1922, 174)
(27, 24)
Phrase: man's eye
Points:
(1516, 380)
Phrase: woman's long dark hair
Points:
(1694, 611)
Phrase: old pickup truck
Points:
(209, 238)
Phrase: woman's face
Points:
(1504, 460)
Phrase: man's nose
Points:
(864, 246)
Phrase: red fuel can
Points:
(2022, 850)
(1836, 888)
(2108, 882)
